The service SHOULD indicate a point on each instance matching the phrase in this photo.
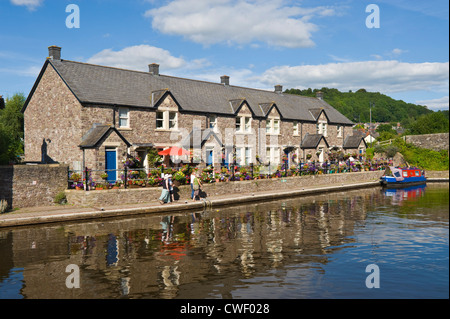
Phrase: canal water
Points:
(369, 243)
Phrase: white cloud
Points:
(32, 71)
(30, 4)
(138, 58)
(382, 76)
(436, 104)
(397, 51)
(239, 21)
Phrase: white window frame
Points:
(174, 120)
(125, 117)
(247, 156)
(274, 154)
(244, 124)
(271, 129)
(161, 121)
(295, 129)
(322, 128)
(339, 130)
(166, 120)
(276, 126)
(238, 125)
(239, 155)
(247, 124)
(213, 122)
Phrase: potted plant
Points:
(75, 177)
(99, 187)
(179, 178)
(79, 186)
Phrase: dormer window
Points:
(295, 128)
(213, 122)
(339, 131)
(243, 124)
(273, 126)
(321, 128)
(173, 120)
(166, 120)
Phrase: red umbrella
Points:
(174, 150)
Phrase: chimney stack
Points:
(54, 53)
(278, 89)
(2, 102)
(225, 80)
(153, 68)
(319, 95)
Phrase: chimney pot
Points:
(225, 80)
(153, 68)
(54, 52)
(278, 88)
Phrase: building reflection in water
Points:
(186, 255)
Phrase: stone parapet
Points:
(143, 195)
(32, 185)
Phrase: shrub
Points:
(391, 150)
(3, 206)
(60, 198)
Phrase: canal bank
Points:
(64, 213)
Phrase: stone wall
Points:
(52, 122)
(102, 198)
(32, 185)
(435, 142)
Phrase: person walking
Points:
(197, 186)
(165, 193)
(192, 177)
(171, 188)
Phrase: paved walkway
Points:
(61, 213)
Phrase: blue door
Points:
(111, 164)
(209, 157)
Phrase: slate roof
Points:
(95, 84)
(312, 141)
(353, 141)
(98, 131)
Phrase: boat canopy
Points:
(396, 173)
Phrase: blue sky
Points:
(258, 43)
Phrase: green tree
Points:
(435, 122)
(11, 129)
(7, 147)
(12, 116)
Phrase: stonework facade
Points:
(57, 118)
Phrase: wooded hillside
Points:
(356, 105)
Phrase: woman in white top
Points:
(192, 184)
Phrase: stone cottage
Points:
(92, 116)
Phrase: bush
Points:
(379, 149)
(60, 198)
(391, 150)
(3, 206)
(423, 158)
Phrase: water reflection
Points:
(211, 254)
(406, 195)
